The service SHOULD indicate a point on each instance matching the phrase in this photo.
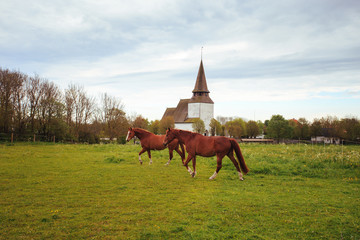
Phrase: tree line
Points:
(31, 105)
(280, 128)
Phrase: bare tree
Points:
(11, 99)
(48, 106)
(33, 92)
(79, 108)
(113, 116)
(70, 97)
(19, 102)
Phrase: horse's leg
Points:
(194, 166)
(186, 164)
(218, 167)
(171, 155)
(141, 152)
(149, 154)
(181, 154)
(236, 164)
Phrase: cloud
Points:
(278, 51)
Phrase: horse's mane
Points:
(186, 131)
(142, 130)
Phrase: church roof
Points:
(200, 84)
(201, 91)
(200, 95)
(179, 113)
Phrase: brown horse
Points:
(197, 144)
(150, 141)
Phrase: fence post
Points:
(34, 137)
(54, 138)
(342, 151)
(12, 138)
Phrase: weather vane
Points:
(201, 52)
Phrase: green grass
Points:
(55, 191)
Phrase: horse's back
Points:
(203, 146)
(156, 142)
(208, 146)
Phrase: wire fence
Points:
(33, 138)
(16, 137)
(21, 137)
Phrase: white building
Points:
(199, 106)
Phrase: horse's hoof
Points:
(241, 179)
(193, 174)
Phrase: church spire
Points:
(201, 92)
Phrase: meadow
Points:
(59, 191)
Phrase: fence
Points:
(16, 137)
(21, 137)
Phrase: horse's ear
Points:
(130, 128)
(168, 129)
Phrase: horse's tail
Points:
(182, 151)
(239, 156)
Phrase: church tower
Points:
(200, 105)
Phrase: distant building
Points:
(198, 106)
(326, 140)
(327, 137)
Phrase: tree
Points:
(155, 126)
(302, 129)
(253, 129)
(11, 84)
(329, 126)
(215, 127)
(79, 108)
(198, 126)
(19, 103)
(34, 92)
(261, 127)
(278, 127)
(236, 128)
(350, 128)
(165, 123)
(316, 128)
(113, 117)
(140, 122)
(117, 125)
(48, 107)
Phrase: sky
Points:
(296, 58)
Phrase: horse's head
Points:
(130, 134)
(170, 135)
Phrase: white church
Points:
(199, 106)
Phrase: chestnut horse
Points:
(197, 144)
(150, 141)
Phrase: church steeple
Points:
(201, 92)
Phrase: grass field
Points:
(55, 191)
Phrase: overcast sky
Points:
(294, 58)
